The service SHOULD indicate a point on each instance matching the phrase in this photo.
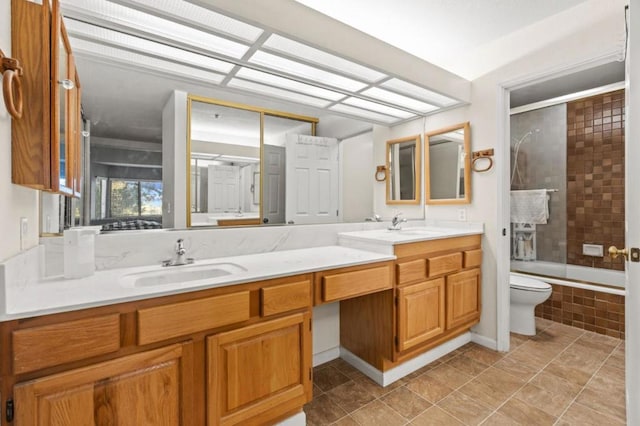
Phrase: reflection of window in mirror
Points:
(448, 165)
(403, 170)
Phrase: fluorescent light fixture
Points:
(362, 103)
(305, 71)
(285, 83)
(394, 98)
(191, 13)
(319, 57)
(136, 21)
(89, 49)
(278, 93)
(363, 113)
(419, 92)
(117, 39)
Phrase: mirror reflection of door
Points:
(225, 155)
(403, 166)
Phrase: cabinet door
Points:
(420, 313)
(260, 372)
(149, 388)
(463, 298)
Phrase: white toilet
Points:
(525, 294)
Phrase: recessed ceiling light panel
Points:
(278, 93)
(139, 21)
(200, 15)
(419, 92)
(394, 98)
(319, 57)
(285, 83)
(373, 106)
(305, 71)
(115, 38)
(383, 118)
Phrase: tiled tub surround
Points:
(590, 310)
(561, 376)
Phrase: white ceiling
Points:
(443, 32)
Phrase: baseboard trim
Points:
(484, 341)
(408, 367)
(299, 419)
(326, 356)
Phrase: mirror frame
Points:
(467, 165)
(416, 167)
(263, 112)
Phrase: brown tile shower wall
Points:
(586, 309)
(595, 178)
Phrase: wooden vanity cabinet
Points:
(45, 146)
(239, 354)
(436, 297)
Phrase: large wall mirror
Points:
(448, 165)
(403, 170)
(240, 159)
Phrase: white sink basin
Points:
(420, 232)
(180, 274)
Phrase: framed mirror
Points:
(448, 165)
(403, 170)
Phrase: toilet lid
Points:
(530, 284)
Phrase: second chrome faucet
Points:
(179, 257)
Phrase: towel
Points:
(530, 206)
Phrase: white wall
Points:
(174, 161)
(15, 201)
(357, 173)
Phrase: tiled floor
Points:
(561, 376)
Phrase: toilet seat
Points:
(528, 284)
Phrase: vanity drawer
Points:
(444, 264)
(472, 258)
(45, 346)
(178, 319)
(285, 297)
(337, 286)
(411, 271)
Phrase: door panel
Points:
(274, 184)
(463, 298)
(420, 312)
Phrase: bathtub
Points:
(602, 280)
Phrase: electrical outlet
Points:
(24, 231)
(462, 215)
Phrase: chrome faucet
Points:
(179, 258)
(396, 221)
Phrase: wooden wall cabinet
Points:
(45, 144)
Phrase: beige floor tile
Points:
(345, 368)
(350, 396)
(327, 378)
(551, 403)
(489, 396)
(570, 373)
(555, 384)
(484, 355)
(470, 411)
(513, 365)
(542, 323)
(611, 403)
(468, 365)
(375, 389)
(322, 411)
(406, 402)
(517, 340)
(453, 377)
(346, 421)
(598, 342)
(435, 416)
(501, 380)
(580, 415)
(526, 414)
(611, 374)
(429, 388)
(498, 419)
(378, 414)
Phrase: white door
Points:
(273, 191)
(632, 214)
(312, 180)
(224, 189)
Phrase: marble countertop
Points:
(28, 298)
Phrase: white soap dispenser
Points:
(79, 251)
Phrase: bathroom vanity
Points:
(231, 349)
